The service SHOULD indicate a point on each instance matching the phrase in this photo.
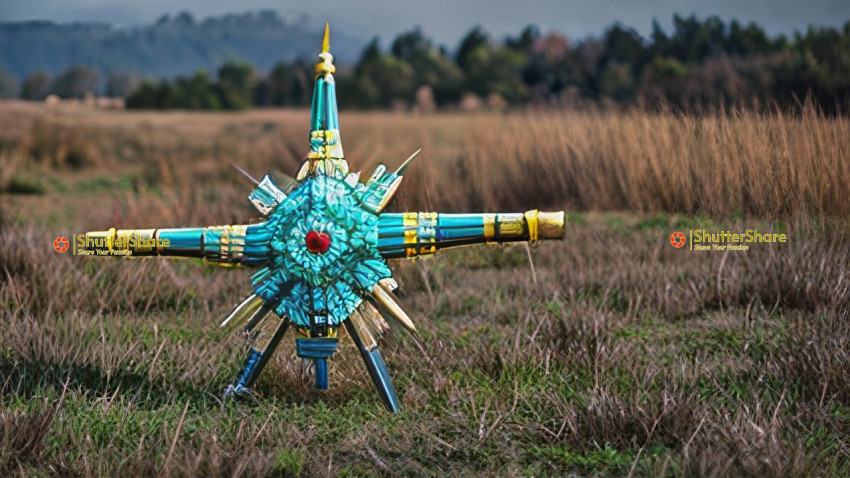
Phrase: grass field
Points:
(610, 353)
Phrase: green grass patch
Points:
(600, 460)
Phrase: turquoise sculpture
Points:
(321, 251)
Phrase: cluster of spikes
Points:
(320, 254)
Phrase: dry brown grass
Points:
(744, 164)
(624, 356)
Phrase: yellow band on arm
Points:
(531, 220)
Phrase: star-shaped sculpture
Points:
(321, 252)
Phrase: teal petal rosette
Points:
(298, 280)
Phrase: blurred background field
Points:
(265, 59)
(615, 354)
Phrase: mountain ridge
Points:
(172, 46)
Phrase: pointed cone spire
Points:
(326, 41)
(326, 155)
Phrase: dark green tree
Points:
(197, 92)
(287, 85)
(381, 79)
(526, 39)
(8, 85)
(412, 46)
(35, 87)
(472, 44)
(152, 95)
(235, 85)
(625, 46)
(431, 67)
(75, 82)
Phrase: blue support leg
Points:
(321, 367)
(377, 370)
(258, 355)
(318, 350)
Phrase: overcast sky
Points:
(447, 20)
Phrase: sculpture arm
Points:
(233, 245)
(415, 234)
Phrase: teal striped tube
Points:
(248, 245)
(415, 234)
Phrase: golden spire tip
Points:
(326, 41)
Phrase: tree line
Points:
(75, 82)
(699, 64)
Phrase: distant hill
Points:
(172, 46)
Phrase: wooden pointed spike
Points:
(403, 317)
(243, 311)
(386, 300)
(373, 318)
(257, 318)
(244, 173)
(392, 187)
(360, 326)
(371, 327)
(389, 283)
(404, 165)
(305, 169)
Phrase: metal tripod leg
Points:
(375, 364)
(260, 351)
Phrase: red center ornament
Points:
(318, 242)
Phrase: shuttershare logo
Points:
(61, 244)
(110, 243)
(677, 239)
(703, 240)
